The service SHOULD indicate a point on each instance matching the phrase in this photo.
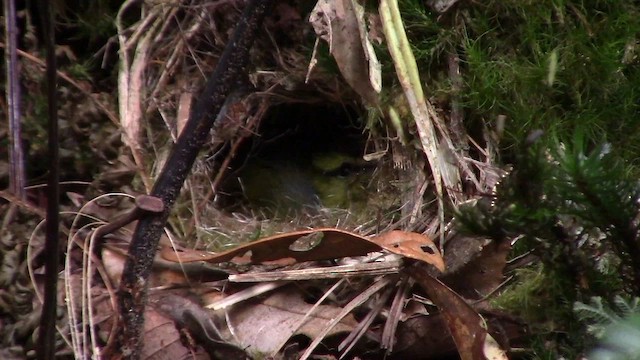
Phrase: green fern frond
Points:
(597, 314)
(627, 307)
(621, 341)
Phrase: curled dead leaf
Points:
(341, 23)
(411, 245)
(316, 245)
(465, 325)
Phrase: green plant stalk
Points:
(403, 60)
(409, 60)
(396, 122)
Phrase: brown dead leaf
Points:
(333, 244)
(263, 327)
(197, 324)
(483, 273)
(411, 245)
(162, 340)
(421, 336)
(341, 23)
(464, 323)
(318, 244)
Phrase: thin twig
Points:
(46, 342)
(395, 312)
(352, 339)
(303, 320)
(357, 301)
(409, 78)
(17, 177)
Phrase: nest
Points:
(283, 102)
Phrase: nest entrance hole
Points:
(302, 157)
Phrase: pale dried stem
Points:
(325, 272)
(176, 56)
(359, 331)
(80, 341)
(306, 316)
(357, 301)
(131, 82)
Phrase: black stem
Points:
(46, 343)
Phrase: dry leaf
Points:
(315, 245)
(464, 323)
(333, 244)
(196, 324)
(262, 328)
(341, 23)
(483, 274)
(411, 245)
(375, 69)
(162, 340)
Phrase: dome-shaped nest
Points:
(306, 138)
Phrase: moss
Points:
(539, 297)
(552, 65)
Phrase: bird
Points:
(278, 187)
(282, 187)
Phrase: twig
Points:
(172, 61)
(17, 177)
(350, 341)
(395, 312)
(494, 291)
(46, 342)
(245, 294)
(143, 203)
(332, 272)
(357, 301)
(409, 78)
(303, 320)
(25, 205)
